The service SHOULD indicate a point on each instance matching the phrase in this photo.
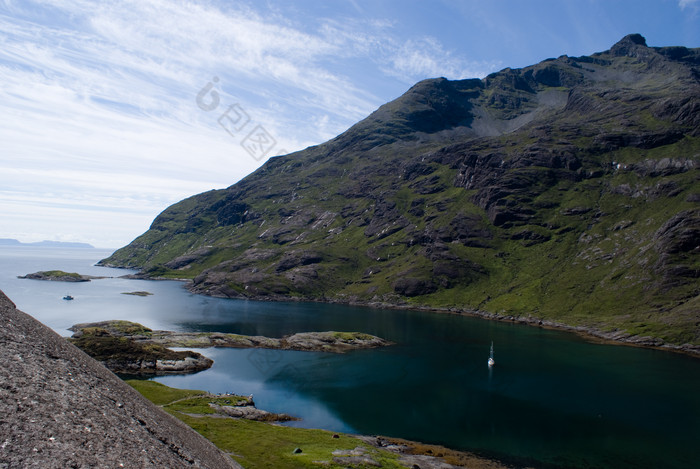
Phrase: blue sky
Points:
(102, 128)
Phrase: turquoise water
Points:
(552, 400)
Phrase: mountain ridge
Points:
(566, 191)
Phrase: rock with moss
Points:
(332, 341)
(116, 344)
(112, 328)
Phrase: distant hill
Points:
(566, 192)
(47, 244)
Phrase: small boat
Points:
(68, 297)
(491, 360)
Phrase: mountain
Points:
(566, 192)
(47, 244)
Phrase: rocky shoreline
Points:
(590, 333)
(616, 337)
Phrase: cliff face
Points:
(59, 408)
(566, 191)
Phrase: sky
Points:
(112, 111)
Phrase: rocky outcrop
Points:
(114, 345)
(60, 408)
(132, 334)
(248, 411)
(332, 341)
(57, 276)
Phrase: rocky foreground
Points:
(59, 408)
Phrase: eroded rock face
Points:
(60, 408)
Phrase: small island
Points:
(137, 293)
(330, 341)
(57, 276)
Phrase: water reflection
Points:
(282, 387)
(551, 398)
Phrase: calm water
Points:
(552, 399)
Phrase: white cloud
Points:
(426, 58)
(683, 4)
(99, 109)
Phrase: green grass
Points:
(257, 444)
(261, 445)
(102, 346)
(129, 328)
(60, 273)
(350, 336)
(161, 394)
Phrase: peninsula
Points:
(131, 348)
(329, 341)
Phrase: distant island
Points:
(59, 276)
(45, 244)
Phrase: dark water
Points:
(551, 400)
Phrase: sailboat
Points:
(491, 360)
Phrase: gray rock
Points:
(59, 408)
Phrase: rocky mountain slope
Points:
(566, 191)
(59, 408)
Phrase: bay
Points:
(552, 400)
